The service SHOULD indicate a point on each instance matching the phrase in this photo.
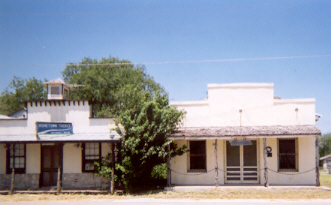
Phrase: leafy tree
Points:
(325, 145)
(20, 91)
(111, 84)
(144, 144)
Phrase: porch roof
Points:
(246, 131)
(83, 137)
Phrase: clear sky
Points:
(184, 44)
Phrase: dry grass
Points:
(325, 180)
(304, 194)
(195, 195)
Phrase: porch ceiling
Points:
(246, 131)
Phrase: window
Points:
(16, 158)
(287, 155)
(91, 153)
(197, 156)
(55, 90)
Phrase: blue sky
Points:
(184, 44)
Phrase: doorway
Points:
(51, 160)
(241, 163)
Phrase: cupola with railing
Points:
(57, 90)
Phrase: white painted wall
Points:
(72, 158)
(33, 158)
(77, 113)
(179, 165)
(306, 162)
(181, 176)
(259, 108)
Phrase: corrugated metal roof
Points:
(83, 137)
(326, 157)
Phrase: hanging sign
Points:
(240, 142)
(54, 128)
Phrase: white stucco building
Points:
(242, 134)
(52, 134)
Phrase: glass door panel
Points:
(241, 163)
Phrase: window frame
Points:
(197, 155)
(295, 153)
(58, 90)
(20, 170)
(84, 160)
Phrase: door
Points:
(241, 163)
(51, 160)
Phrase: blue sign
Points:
(54, 128)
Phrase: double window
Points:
(16, 158)
(287, 155)
(91, 153)
(197, 156)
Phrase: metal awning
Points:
(79, 137)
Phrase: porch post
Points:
(216, 165)
(266, 184)
(59, 169)
(168, 169)
(317, 162)
(12, 173)
(112, 168)
(59, 180)
(12, 181)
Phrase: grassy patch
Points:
(305, 194)
(325, 180)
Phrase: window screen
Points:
(287, 155)
(16, 158)
(91, 153)
(55, 90)
(197, 155)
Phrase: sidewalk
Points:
(203, 188)
(174, 188)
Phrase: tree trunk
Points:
(168, 169)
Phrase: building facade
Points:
(243, 134)
(56, 138)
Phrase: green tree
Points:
(19, 92)
(325, 145)
(144, 144)
(112, 85)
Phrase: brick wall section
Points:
(84, 181)
(22, 181)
